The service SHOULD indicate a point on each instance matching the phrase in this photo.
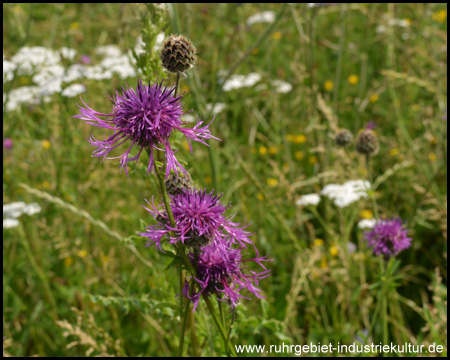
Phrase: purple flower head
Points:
(199, 219)
(146, 117)
(8, 144)
(388, 237)
(220, 271)
(371, 125)
(85, 59)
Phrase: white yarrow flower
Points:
(347, 193)
(261, 17)
(310, 199)
(14, 209)
(73, 90)
(32, 209)
(9, 223)
(367, 223)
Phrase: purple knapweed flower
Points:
(388, 237)
(199, 219)
(371, 125)
(8, 144)
(147, 117)
(85, 59)
(220, 271)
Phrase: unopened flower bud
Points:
(367, 143)
(178, 54)
(344, 138)
(177, 184)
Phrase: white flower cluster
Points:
(281, 86)
(347, 193)
(310, 199)
(261, 17)
(237, 81)
(367, 223)
(218, 108)
(13, 210)
(50, 76)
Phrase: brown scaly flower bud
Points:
(177, 184)
(195, 240)
(367, 142)
(344, 138)
(178, 54)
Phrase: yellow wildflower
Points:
(440, 16)
(353, 79)
(299, 139)
(374, 98)
(366, 214)
(393, 152)
(46, 144)
(432, 157)
(273, 150)
(272, 182)
(68, 261)
(260, 196)
(75, 25)
(82, 253)
(276, 35)
(334, 250)
(318, 242)
(299, 155)
(104, 259)
(324, 262)
(289, 137)
(313, 159)
(262, 150)
(328, 85)
(185, 145)
(46, 184)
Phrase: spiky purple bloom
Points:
(388, 237)
(220, 271)
(197, 214)
(8, 144)
(371, 125)
(146, 117)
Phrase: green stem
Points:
(383, 299)
(40, 273)
(219, 325)
(177, 84)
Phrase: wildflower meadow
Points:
(225, 179)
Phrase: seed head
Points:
(344, 138)
(367, 143)
(178, 54)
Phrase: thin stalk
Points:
(183, 328)
(177, 84)
(371, 193)
(40, 273)
(219, 325)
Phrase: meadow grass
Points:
(78, 280)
